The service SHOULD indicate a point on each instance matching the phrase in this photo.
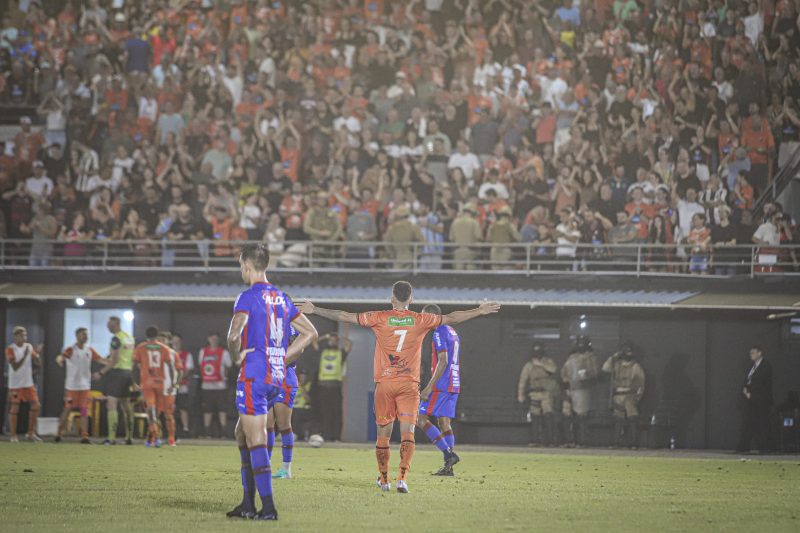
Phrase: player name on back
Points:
(273, 300)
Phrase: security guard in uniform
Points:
(578, 375)
(402, 232)
(322, 224)
(117, 381)
(332, 357)
(301, 413)
(627, 389)
(538, 384)
(464, 231)
(502, 231)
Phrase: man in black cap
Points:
(627, 389)
(538, 385)
(578, 375)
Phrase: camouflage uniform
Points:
(537, 382)
(627, 389)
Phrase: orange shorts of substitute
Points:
(396, 399)
(25, 394)
(166, 404)
(77, 399)
(153, 396)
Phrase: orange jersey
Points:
(151, 357)
(398, 342)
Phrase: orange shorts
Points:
(25, 394)
(166, 404)
(77, 399)
(153, 396)
(396, 399)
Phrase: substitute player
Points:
(22, 357)
(282, 412)
(167, 405)
(149, 357)
(185, 364)
(398, 341)
(78, 383)
(258, 339)
(440, 395)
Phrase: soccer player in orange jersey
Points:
(167, 404)
(150, 357)
(398, 341)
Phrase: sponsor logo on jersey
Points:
(396, 321)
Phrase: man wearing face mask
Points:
(537, 383)
(627, 389)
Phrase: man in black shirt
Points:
(757, 398)
(150, 209)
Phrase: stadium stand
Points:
(584, 135)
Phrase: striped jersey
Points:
(270, 313)
(446, 340)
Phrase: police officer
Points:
(627, 389)
(538, 384)
(399, 236)
(578, 375)
(333, 354)
(465, 231)
(322, 224)
(502, 231)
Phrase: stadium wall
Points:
(695, 360)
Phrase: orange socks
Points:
(382, 454)
(407, 447)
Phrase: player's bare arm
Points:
(238, 322)
(441, 365)
(336, 315)
(173, 372)
(135, 375)
(307, 334)
(456, 317)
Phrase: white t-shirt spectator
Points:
(499, 188)
(249, 215)
(468, 163)
(42, 186)
(567, 247)
(148, 108)
(235, 85)
(122, 166)
(753, 27)
(687, 210)
(768, 233)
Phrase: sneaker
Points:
(57, 439)
(444, 471)
(270, 515)
(282, 474)
(147, 444)
(13, 438)
(109, 442)
(85, 440)
(451, 460)
(33, 437)
(171, 442)
(128, 442)
(157, 443)
(240, 512)
(385, 487)
(402, 486)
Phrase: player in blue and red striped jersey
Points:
(282, 413)
(440, 395)
(258, 339)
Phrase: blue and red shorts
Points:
(286, 395)
(440, 404)
(255, 397)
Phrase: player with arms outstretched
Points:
(440, 395)
(398, 351)
(258, 339)
(153, 359)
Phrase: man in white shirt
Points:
(493, 183)
(687, 209)
(78, 384)
(22, 358)
(465, 160)
(768, 233)
(39, 185)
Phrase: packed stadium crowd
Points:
(434, 121)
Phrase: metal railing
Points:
(311, 256)
(780, 181)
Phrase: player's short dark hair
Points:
(401, 291)
(78, 331)
(114, 318)
(257, 254)
(151, 332)
(432, 309)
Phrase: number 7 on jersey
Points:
(402, 333)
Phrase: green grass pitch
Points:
(69, 487)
